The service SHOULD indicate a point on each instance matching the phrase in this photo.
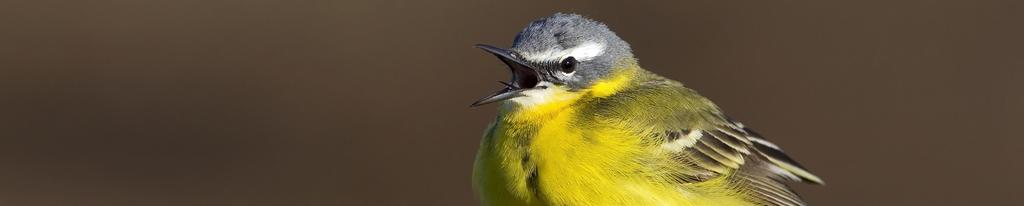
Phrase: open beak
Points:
(524, 76)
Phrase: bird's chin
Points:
(544, 93)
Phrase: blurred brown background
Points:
(325, 102)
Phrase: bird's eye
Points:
(569, 65)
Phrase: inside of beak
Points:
(524, 76)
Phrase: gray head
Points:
(565, 50)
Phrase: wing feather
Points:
(772, 191)
(729, 148)
(731, 141)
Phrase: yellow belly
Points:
(590, 164)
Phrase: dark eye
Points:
(569, 65)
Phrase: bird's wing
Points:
(725, 147)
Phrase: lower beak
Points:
(524, 76)
(503, 94)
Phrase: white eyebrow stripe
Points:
(583, 52)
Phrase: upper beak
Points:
(524, 76)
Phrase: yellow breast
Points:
(546, 154)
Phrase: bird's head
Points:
(560, 55)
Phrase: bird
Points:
(581, 123)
